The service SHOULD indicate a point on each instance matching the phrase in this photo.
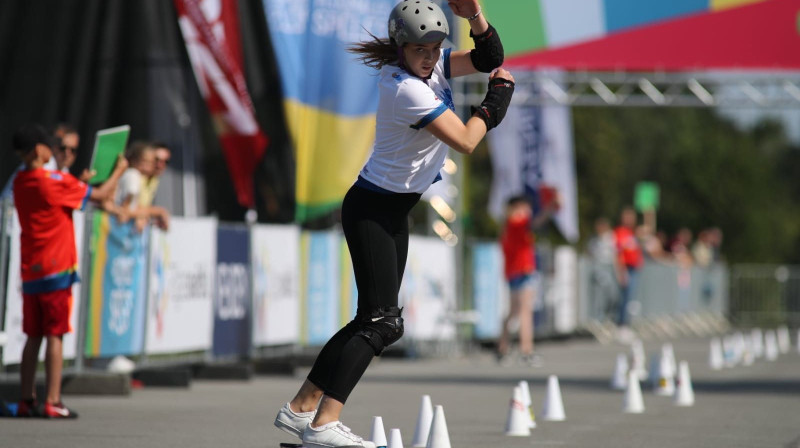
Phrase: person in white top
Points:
(127, 204)
(415, 125)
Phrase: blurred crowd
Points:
(618, 253)
(136, 190)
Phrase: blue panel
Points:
(232, 298)
(487, 275)
(323, 287)
(627, 13)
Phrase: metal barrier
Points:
(765, 295)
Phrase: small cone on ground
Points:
(634, 403)
(665, 386)
(620, 379)
(784, 342)
(770, 346)
(684, 393)
(638, 360)
(518, 421)
(378, 435)
(669, 355)
(395, 441)
(526, 395)
(553, 404)
(438, 437)
(715, 359)
(757, 342)
(424, 419)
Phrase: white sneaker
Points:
(333, 434)
(293, 422)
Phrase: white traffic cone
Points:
(620, 379)
(729, 351)
(715, 359)
(553, 405)
(634, 403)
(684, 393)
(438, 437)
(517, 423)
(395, 441)
(784, 343)
(770, 346)
(378, 435)
(424, 420)
(665, 386)
(526, 396)
(638, 360)
(669, 354)
(757, 342)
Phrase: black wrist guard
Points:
(493, 108)
(488, 52)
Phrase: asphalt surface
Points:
(754, 406)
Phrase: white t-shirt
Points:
(406, 158)
(130, 184)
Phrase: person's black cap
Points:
(28, 136)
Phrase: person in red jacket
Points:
(519, 256)
(44, 200)
(629, 262)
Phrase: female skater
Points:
(416, 123)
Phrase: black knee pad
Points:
(382, 329)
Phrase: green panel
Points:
(305, 212)
(519, 23)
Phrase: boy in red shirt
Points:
(629, 261)
(517, 242)
(44, 200)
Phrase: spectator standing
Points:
(128, 198)
(162, 157)
(602, 249)
(629, 262)
(519, 254)
(45, 200)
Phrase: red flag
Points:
(211, 31)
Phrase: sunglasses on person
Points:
(71, 149)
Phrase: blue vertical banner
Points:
(232, 298)
(322, 287)
(115, 322)
(488, 289)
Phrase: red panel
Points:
(758, 36)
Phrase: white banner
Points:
(12, 352)
(428, 290)
(276, 284)
(181, 277)
(533, 147)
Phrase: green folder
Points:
(108, 144)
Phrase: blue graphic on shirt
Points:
(447, 99)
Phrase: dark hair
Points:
(64, 129)
(136, 149)
(517, 199)
(28, 136)
(376, 52)
(159, 145)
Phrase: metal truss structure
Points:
(768, 90)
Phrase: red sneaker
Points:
(28, 408)
(58, 410)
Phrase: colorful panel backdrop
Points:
(646, 35)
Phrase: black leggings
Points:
(376, 229)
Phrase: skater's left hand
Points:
(464, 8)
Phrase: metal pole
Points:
(85, 270)
(5, 217)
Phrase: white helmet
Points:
(417, 22)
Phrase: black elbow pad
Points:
(488, 53)
(493, 108)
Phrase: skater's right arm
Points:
(465, 137)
